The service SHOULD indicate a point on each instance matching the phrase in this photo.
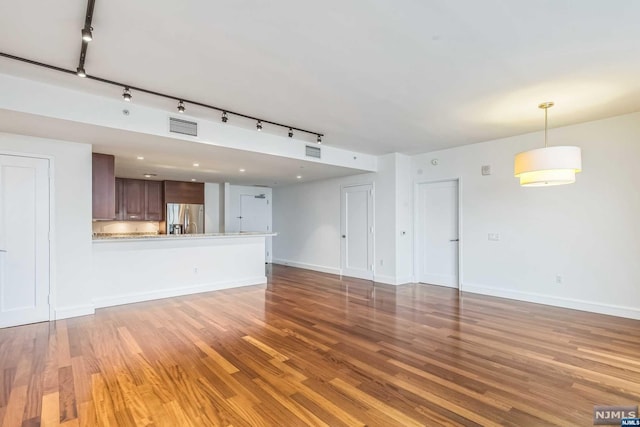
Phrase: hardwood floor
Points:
(310, 349)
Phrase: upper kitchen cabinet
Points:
(184, 192)
(103, 186)
(139, 200)
(154, 207)
(120, 199)
(134, 199)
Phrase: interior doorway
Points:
(438, 233)
(254, 216)
(24, 240)
(357, 231)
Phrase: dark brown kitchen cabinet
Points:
(154, 208)
(134, 199)
(139, 200)
(119, 199)
(184, 192)
(103, 186)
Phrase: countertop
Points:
(153, 237)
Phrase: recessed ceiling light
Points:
(140, 158)
(299, 177)
(196, 164)
(193, 179)
(242, 170)
(150, 175)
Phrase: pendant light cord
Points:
(545, 127)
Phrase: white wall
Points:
(587, 232)
(307, 219)
(232, 223)
(170, 267)
(404, 220)
(232, 197)
(213, 208)
(71, 271)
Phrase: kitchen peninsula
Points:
(131, 269)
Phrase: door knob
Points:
(344, 236)
(454, 240)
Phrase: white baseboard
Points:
(387, 280)
(313, 267)
(176, 292)
(405, 280)
(576, 304)
(74, 311)
(390, 280)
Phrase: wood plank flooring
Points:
(311, 349)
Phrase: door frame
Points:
(416, 219)
(52, 234)
(373, 220)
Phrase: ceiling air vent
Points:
(184, 127)
(312, 151)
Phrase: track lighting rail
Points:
(87, 36)
(160, 94)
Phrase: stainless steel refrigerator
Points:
(185, 218)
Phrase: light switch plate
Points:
(486, 170)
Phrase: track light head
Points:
(319, 140)
(259, 125)
(81, 72)
(181, 108)
(290, 133)
(126, 94)
(87, 35)
(224, 117)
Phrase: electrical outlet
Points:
(558, 279)
(493, 237)
(195, 270)
(486, 170)
(381, 263)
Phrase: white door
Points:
(24, 240)
(357, 231)
(437, 233)
(254, 216)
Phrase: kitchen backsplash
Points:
(124, 227)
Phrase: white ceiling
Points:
(374, 76)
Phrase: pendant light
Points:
(555, 165)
